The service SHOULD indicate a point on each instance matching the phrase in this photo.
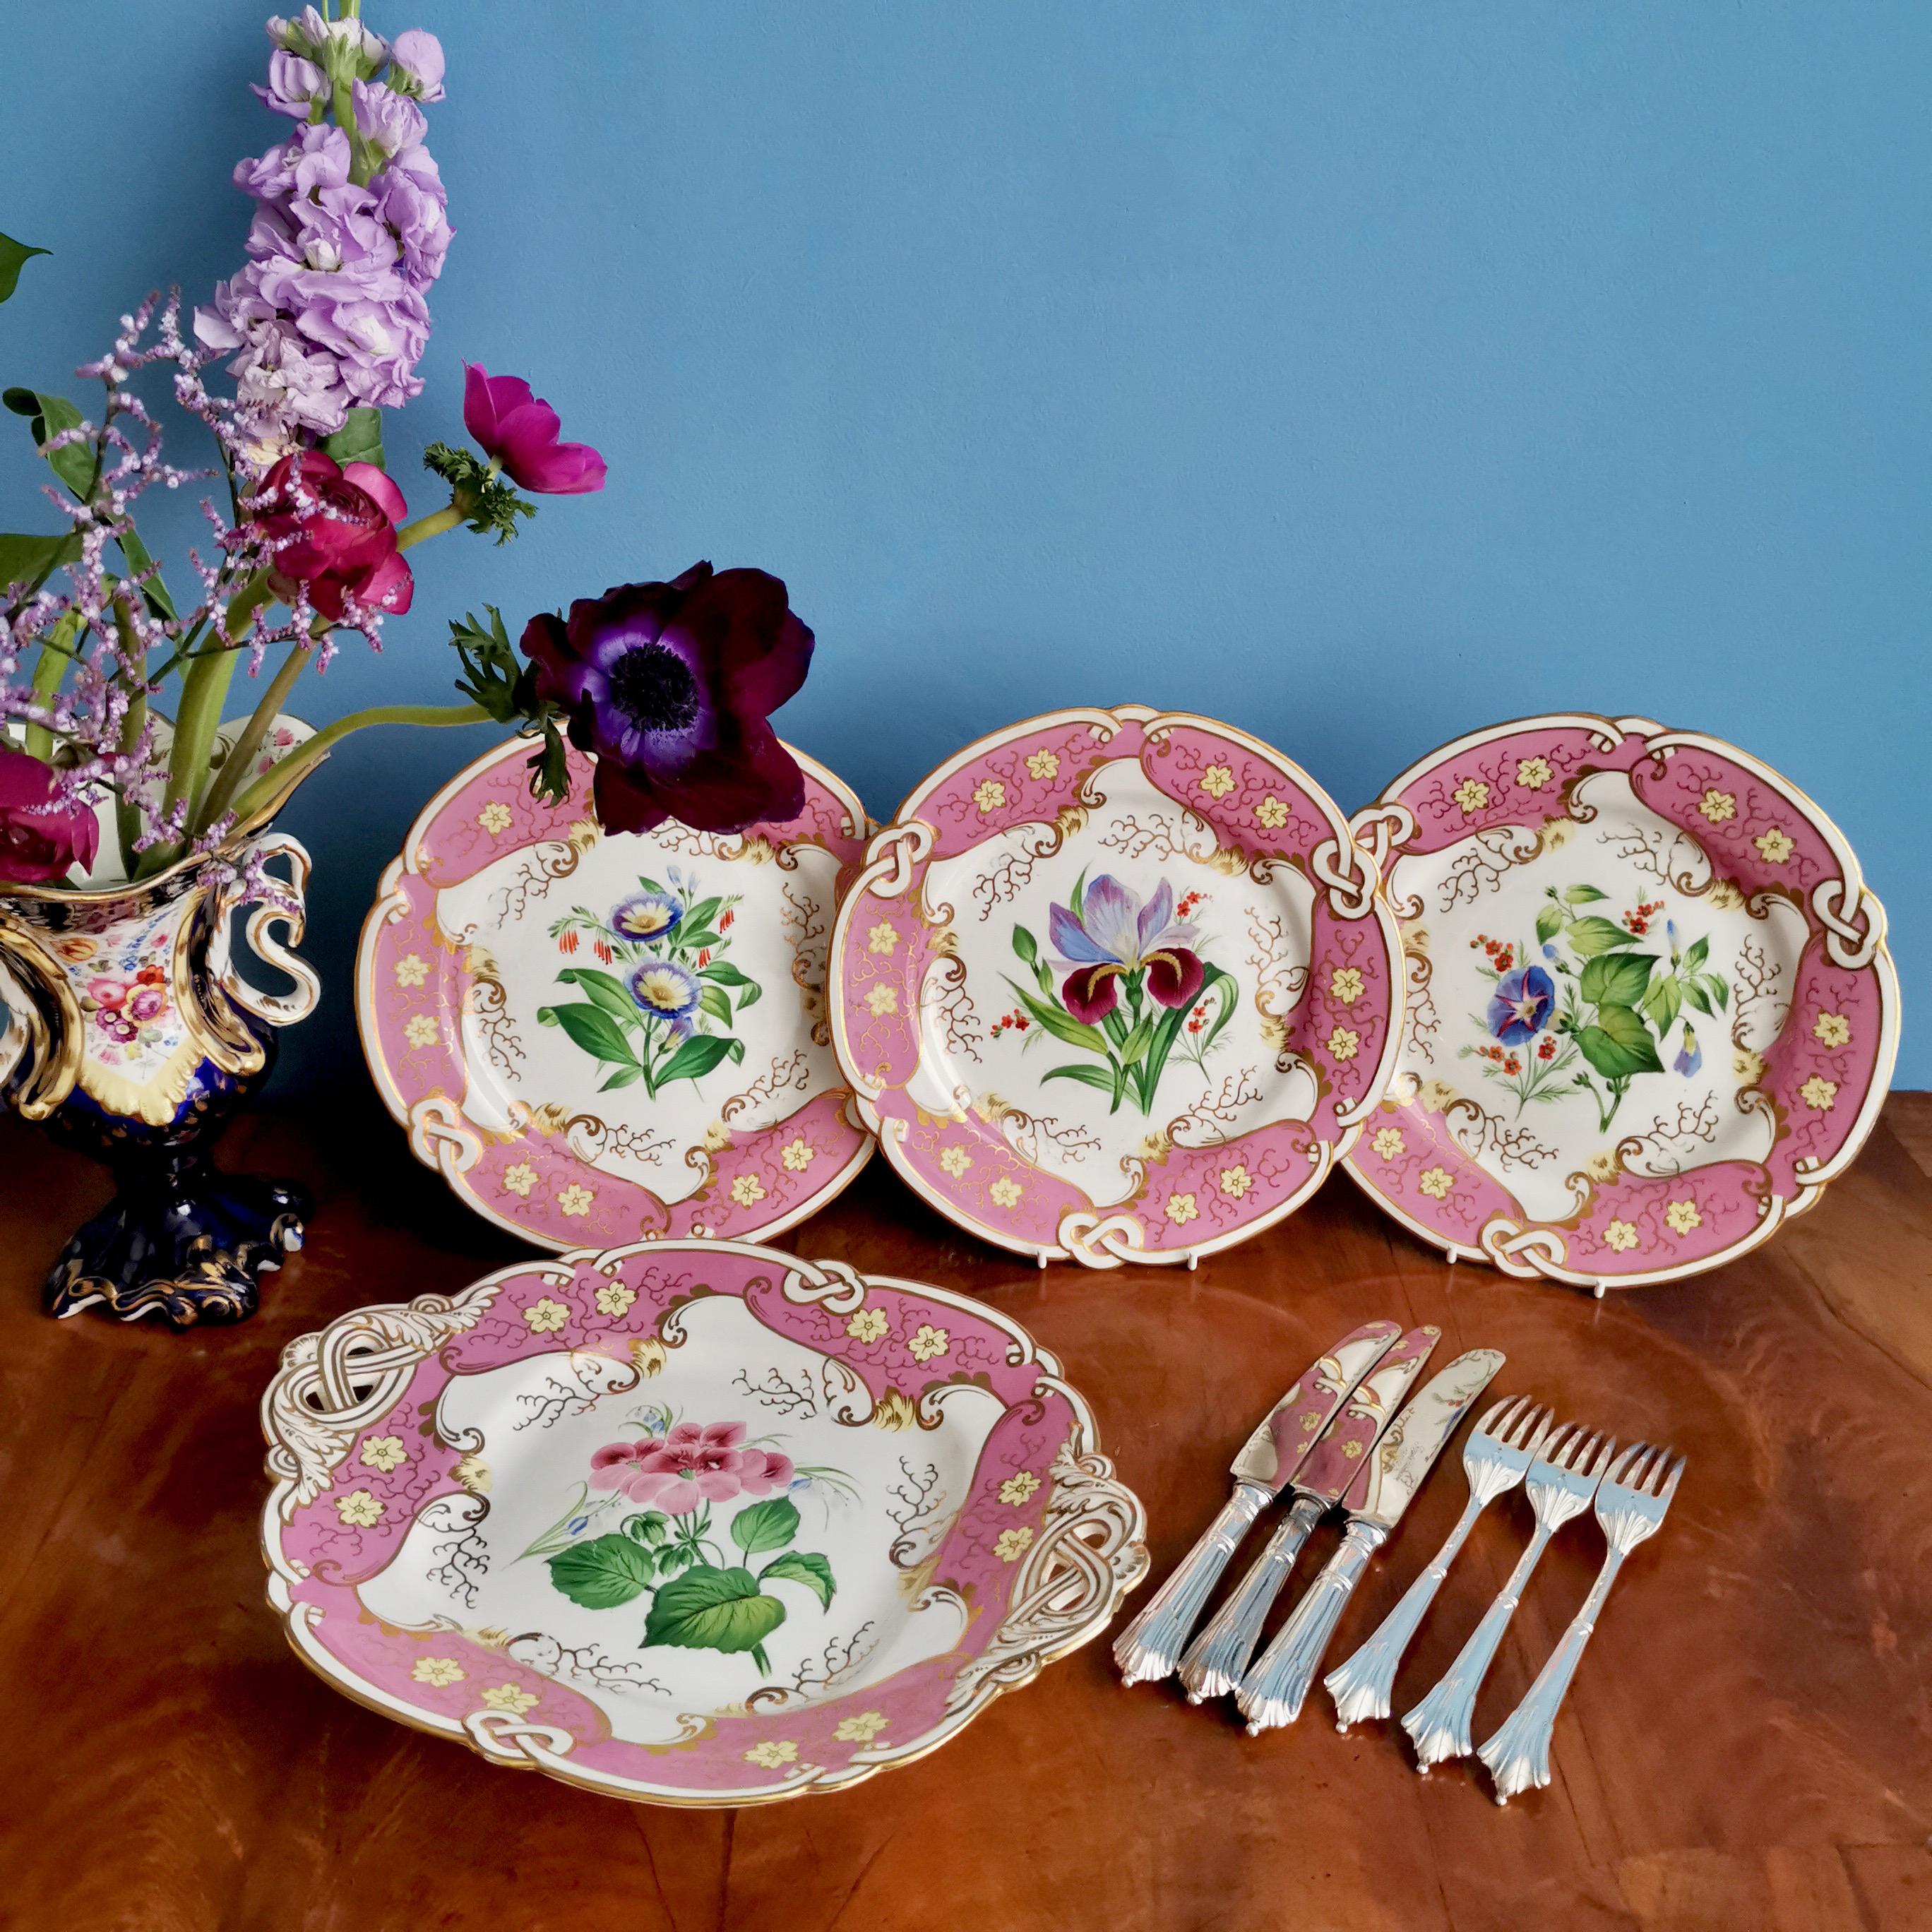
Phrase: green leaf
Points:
(1026, 946)
(1582, 895)
(604, 1572)
(1060, 1023)
(358, 440)
(14, 255)
(625, 1076)
(1170, 1030)
(1615, 979)
(691, 941)
(750, 996)
(1087, 1076)
(703, 912)
(1694, 992)
(652, 1527)
(1595, 935)
(769, 1525)
(1619, 1045)
(153, 591)
(715, 1001)
(1698, 951)
(806, 1567)
(1720, 993)
(1137, 1041)
(1549, 923)
(1662, 1000)
(710, 1609)
(50, 416)
(593, 1030)
(698, 1055)
(722, 973)
(27, 560)
(606, 989)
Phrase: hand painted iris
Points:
(1520, 1006)
(645, 916)
(1691, 1055)
(1112, 936)
(666, 990)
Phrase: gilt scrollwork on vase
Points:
(1651, 1013)
(1116, 986)
(692, 1522)
(598, 1037)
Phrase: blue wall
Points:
(1361, 373)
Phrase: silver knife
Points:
(1272, 1692)
(1149, 1646)
(1216, 1658)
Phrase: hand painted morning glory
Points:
(645, 916)
(1112, 935)
(1520, 1006)
(664, 990)
(1690, 1055)
(670, 685)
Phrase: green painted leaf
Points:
(1582, 895)
(1087, 1076)
(715, 1001)
(722, 973)
(1619, 1045)
(1549, 923)
(652, 1527)
(358, 440)
(698, 1055)
(1696, 953)
(1694, 992)
(1026, 946)
(625, 1076)
(14, 255)
(604, 1572)
(1615, 978)
(710, 1609)
(1137, 1041)
(1596, 934)
(595, 1031)
(48, 416)
(800, 1566)
(1720, 993)
(769, 1525)
(750, 996)
(701, 914)
(1662, 1000)
(692, 942)
(27, 560)
(605, 989)
(1060, 1023)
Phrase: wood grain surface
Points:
(1748, 1744)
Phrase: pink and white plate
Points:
(1116, 984)
(1650, 1010)
(689, 1523)
(602, 1037)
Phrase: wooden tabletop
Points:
(1748, 1743)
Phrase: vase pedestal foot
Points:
(188, 1245)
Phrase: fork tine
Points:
(1669, 1486)
(1556, 1442)
(1595, 1466)
(1523, 1425)
(1488, 1426)
(1576, 1458)
(1544, 1418)
(1577, 1442)
(1641, 1478)
(1623, 1470)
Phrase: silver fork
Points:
(1495, 1458)
(1562, 1481)
(1629, 1505)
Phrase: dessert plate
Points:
(599, 1037)
(691, 1522)
(1117, 986)
(1650, 1010)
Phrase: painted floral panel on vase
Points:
(602, 1036)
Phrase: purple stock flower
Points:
(416, 65)
(1521, 1004)
(1109, 935)
(389, 125)
(294, 85)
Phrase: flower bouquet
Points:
(134, 820)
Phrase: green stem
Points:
(433, 525)
(49, 669)
(127, 815)
(242, 753)
(306, 754)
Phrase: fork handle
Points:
(1273, 1692)
(1216, 1658)
(1518, 1756)
(1362, 1686)
(1150, 1646)
(1439, 1726)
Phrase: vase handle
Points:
(43, 1025)
(277, 903)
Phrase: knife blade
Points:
(1216, 1659)
(1381, 1488)
(1149, 1646)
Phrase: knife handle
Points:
(1518, 1756)
(1438, 1726)
(1214, 1664)
(1149, 1646)
(1363, 1685)
(1272, 1692)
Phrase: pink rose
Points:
(107, 992)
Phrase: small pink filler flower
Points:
(680, 1472)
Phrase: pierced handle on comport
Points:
(287, 908)
(1216, 1658)
(1273, 1692)
(1363, 1685)
(1518, 1756)
(1149, 1646)
(1439, 1726)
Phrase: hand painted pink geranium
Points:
(692, 1465)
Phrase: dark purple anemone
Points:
(670, 685)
